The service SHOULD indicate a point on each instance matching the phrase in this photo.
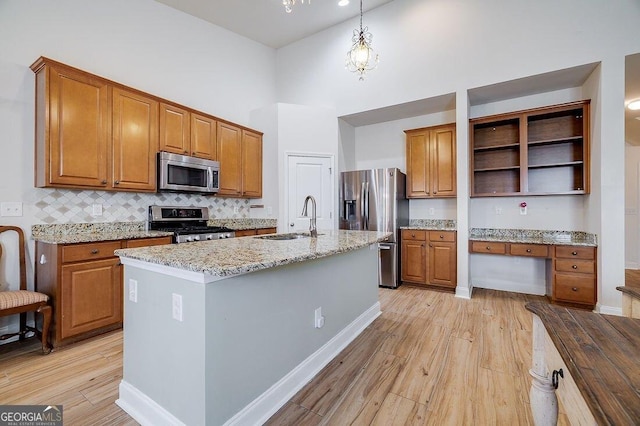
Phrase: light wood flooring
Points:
(428, 359)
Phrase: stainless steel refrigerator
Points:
(375, 200)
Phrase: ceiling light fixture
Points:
(288, 4)
(634, 105)
(361, 58)
(343, 2)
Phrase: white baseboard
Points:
(609, 310)
(146, 411)
(464, 292)
(511, 286)
(143, 409)
(259, 410)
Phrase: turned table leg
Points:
(544, 404)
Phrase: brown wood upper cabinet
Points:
(91, 134)
(431, 162)
(187, 132)
(240, 157)
(541, 151)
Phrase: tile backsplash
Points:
(77, 206)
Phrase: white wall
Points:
(632, 218)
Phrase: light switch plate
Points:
(13, 209)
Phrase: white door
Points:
(309, 175)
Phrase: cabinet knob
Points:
(427, 192)
(430, 245)
(117, 182)
(104, 181)
(435, 192)
(95, 251)
(575, 266)
(574, 288)
(488, 248)
(528, 250)
(186, 152)
(574, 253)
(441, 236)
(413, 235)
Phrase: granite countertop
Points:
(247, 254)
(431, 225)
(532, 236)
(70, 233)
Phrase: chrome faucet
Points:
(312, 222)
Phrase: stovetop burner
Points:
(186, 223)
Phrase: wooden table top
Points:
(602, 353)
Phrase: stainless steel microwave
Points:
(181, 173)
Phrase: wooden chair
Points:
(23, 301)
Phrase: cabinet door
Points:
(230, 158)
(442, 264)
(443, 162)
(251, 164)
(414, 265)
(78, 133)
(147, 242)
(203, 136)
(175, 131)
(417, 164)
(135, 141)
(91, 296)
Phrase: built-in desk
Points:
(571, 259)
(592, 359)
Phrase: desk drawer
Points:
(534, 250)
(413, 235)
(488, 247)
(447, 236)
(575, 265)
(574, 252)
(575, 288)
(90, 251)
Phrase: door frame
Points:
(285, 199)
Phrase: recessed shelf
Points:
(548, 148)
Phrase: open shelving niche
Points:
(542, 151)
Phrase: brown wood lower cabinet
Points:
(571, 270)
(84, 282)
(429, 258)
(260, 231)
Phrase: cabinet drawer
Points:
(575, 288)
(573, 252)
(411, 234)
(575, 265)
(488, 247)
(79, 252)
(146, 242)
(535, 250)
(442, 236)
(263, 231)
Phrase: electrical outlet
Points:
(133, 291)
(13, 209)
(236, 209)
(432, 211)
(96, 209)
(319, 319)
(498, 210)
(269, 211)
(176, 306)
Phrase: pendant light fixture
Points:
(361, 58)
(288, 4)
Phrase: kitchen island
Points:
(225, 332)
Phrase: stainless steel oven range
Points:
(187, 223)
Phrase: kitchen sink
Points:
(280, 237)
